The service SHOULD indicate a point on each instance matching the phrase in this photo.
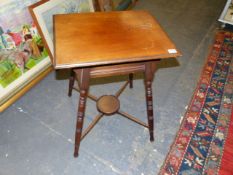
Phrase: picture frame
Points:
(18, 14)
(42, 12)
(226, 16)
(24, 60)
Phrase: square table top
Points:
(102, 38)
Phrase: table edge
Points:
(115, 62)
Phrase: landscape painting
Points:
(23, 56)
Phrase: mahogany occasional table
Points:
(103, 44)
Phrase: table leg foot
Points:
(151, 137)
(75, 155)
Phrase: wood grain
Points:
(101, 38)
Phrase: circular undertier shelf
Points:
(108, 104)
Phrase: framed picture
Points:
(23, 58)
(43, 11)
(227, 13)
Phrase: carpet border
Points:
(217, 43)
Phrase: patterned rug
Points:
(227, 159)
(199, 145)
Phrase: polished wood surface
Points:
(101, 38)
(108, 104)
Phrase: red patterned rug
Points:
(204, 142)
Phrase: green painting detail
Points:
(8, 72)
(19, 52)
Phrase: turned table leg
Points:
(149, 73)
(83, 78)
(71, 83)
(131, 80)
